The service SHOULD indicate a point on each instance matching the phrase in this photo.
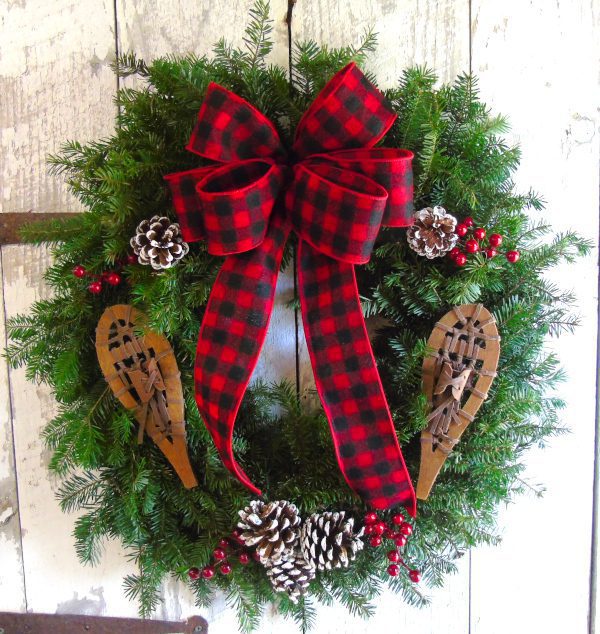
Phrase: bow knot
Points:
(335, 190)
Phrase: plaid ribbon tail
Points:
(232, 335)
(348, 382)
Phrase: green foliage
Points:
(130, 493)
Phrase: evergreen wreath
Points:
(129, 492)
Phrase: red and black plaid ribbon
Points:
(335, 191)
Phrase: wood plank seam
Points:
(12, 431)
(593, 603)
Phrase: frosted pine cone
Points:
(158, 242)
(274, 528)
(291, 574)
(328, 540)
(432, 233)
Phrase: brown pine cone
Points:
(273, 528)
(291, 574)
(328, 540)
(432, 233)
(158, 242)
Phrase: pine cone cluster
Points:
(158, 242)
(432, 233)
(292, 551)
(328, 540)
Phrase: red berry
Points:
(79, 271)
(224, 543)
(114, 279)
(460, 259)
(479, 233)
(400, 541)
(393, 570)
(219, 554)
(132, 259)
(495, 240)
(244, 558)
(208, 572)
(415, 576)
(375, 541)
(393, 556)
(406, 529)
(388, 533)
(235, 535)
(398, 519)
(490, 252)
(371, 518)
(461, 230)
(453, 253)
(95, 287)
(513, 256)
(368, 529)
(472, 246)
(379, 528)
(468, 221)
(194, 573)
(225, 568)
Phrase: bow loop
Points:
(348, 113)
(231, 129)
(236, 201)
(186, 203)
(391, 168)
(337, 211)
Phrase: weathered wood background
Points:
(537, 61)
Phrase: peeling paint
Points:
(84, 605)
(6, 514)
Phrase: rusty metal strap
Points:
(11, 223)
(15, 623)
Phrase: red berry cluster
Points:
(228, 547)
(112, 278)
(397, 531)
(472, 243)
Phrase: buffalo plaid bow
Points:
(335, 191)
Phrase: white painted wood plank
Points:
(56, 85)
(413, 32)
(537, 62)
(12, 582)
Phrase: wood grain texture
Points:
(410, 32)
(56, 85)
(12, 581)
(537, 62)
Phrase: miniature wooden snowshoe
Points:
(142, 373)
(466, 348)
